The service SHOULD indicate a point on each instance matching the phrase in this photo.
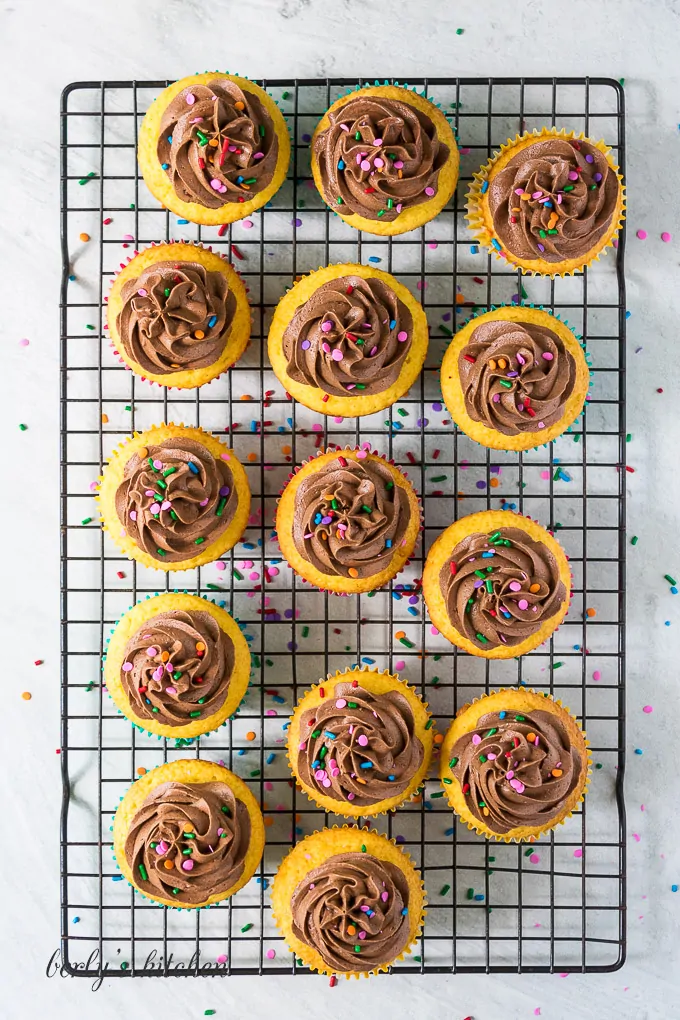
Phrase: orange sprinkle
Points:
(524, 197)
(492, 364)
(324, 538)
(552, 221)
(485, 810)
(27, 695)
(141, 771)
(591, 612)
(351, 930)
(268, 820)
(245, 396)
(534, 588)
(199, 334)
(286, 449)
(167, 863)
(250, 735)
(494, 483)
(240, 105)
(438, 738)
(556, 773)
(105, 419)
(187, 827)
(213, 142)
(399, 174)
(460, 299)
(84, 237)
(200, 647)
(531, 737)
(353, 572)
(165, 656)
(502, 363)
(400, 634)
(252, 456)
(143, 452)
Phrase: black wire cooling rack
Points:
(556, 906)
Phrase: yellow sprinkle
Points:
(105, 419)
(200, 647)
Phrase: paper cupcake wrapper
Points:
(159, 183)
(354, 586)
(187, 771)
(157, 433)
(382, 681)
(417, 215)
(487, 521)
(187, 378)
(484, 235)
(522, 694)
(567, 429)
(186, 734)
(348, 406)
(314, 850)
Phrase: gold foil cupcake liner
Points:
(112, 476)
(127, 626)
(530, 700)
(187, 251)
(328, 403)
(188, 772)
(486, 521)
(311, 853)
(379, 682)
(481, 225)
(338, 584)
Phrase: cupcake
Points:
(188, 834)
(385, 159)
(549, 202)
(360, 742)
(348, 340)
(348, 901)
(177, 665)
(213, 148)
(515, 378)
(347, 522)
(496, 584)
(178, 315)
(174, 497)
(514, 764)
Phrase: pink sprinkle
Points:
(365, 165)
(377, 141)
(515, 586)
(220, 565)
(545, 475)
(188, 865)
(402, 335)
(158, 464)
(642, 234)
(636, 837)
(362, 934)
(496, 398)
(541, 424)
(326, 783)
(191, 99)
(247, 224)
(327, 326)
(378, 162)
(578, 853)
(127, 667)
(149, 492)
(429, 192)
(384, 896)
(547, 355)
(666, 236)
(152, 652)
(399, 206)
(259, 155)
(517, 785)
(166, 504)
(343, 127)
(534, 858)
(361, 454)
(204, 502)
(350, 796)
(522, 604)
(398, 164)
(536, 194)
(340, 703)
(362, 740)
(476, 739)
(400, 665)
(509, 774)
(596, 675)
(24, 343)
(519, 191)
(573, 176)
(320, 774)
(215, 184)
(271, 953)
(142, 292)
(169, 667)
(336, 354)
(171, 690)
(325, 348)
(491, 756)
(220, 831)
(222, 958)
(648, 709)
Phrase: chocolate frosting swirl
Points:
(371, 750)
(516, 376)
(217, 144)
(353, 910)
(174, 497)
(175, 316)
(177, 667)
(379, 156)
(191, 839)
(524, 582)
(350, 338)
(516, 768)
(350, 517)
(554, 200)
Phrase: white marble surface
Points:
(45, 44)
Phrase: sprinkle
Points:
(87, 178)
(666, 236)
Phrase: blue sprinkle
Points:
(76, 919)
(405, 910)
(290, 421)
(116, 878)
(298, 830)
(487, 555)
(369, 662)
(667, 623)
(270, 758)
(449, 832)
(506, 615)
(253, 426)
(327, 733)
(474, 249)
(164, 166)
(396, 595)
(170, 139)
(241, 752)
(485, 187)
(393, 323)
(212, 320)
(428, 805)
(285, 725)
(341, 165)
(193, 468)
(501, 715)
(413, 611)
(397, 425)
(374, 258)
(222, 605)
(495, 244)
(248, 545)
(315, 764)
(479, 896)
(388, 543)
(278, 699)
(628, 315)
(239, 180)
(674, 590)
(548, 205)
(674, 888)
(638, 750)
(71, 278)
(391, 778)
(182, 221)
(367, 765)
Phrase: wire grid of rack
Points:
(556, 906)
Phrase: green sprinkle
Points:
(480, 637)
(88, 326)
(261, 130)
(87, 178)
(202, 139)
(86, 520)
(357, 136)
(506, 383)
(269, 662)
(154, 709)
(459, 31)
(237, 574)
(444, 889)
(214, 587)
(245, 928)
(161, 485)
(186, 851)
(142, 872)
(220, 506)
(169, 471)
(489, 585)
(339, 200)
(470, 894)
(553, 231)
(195, 715)
(316, 733)
(177, 676)
(363, 848)
(568, 187)
(225, 809)
(439, 478)
(480, 573)
(389, 485)
(251, 180)
(124, 965)
(435, 680)
(482, 759)
(445, 329)
(381, 212)
(634, 540)
(453, 763)
(198, 541)
(433, 796)
(528, 853)
(428, 724)
(201, 701)
(402, 412)
(285, 95)
(496, 534)
(366, 508)
(405, 641)
(556, 665)
(167, 292)
(360, 386)
(447, 781)
(22, 428)
(305, 631)
(357, 949)
(255, 773)
(174, 515)
(161, 552)
(670, 579)
(524, 293)
(599, 765)
(352, 704)
(492, 731)
(520, 718)
(323, 752)
(189, 835)
(629, 436)
(209, 1012)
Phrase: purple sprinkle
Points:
(496, 397)
(399, 839)
(481, 484)
(291, 646)
(511, 375)
(597, 177)
(446, 316)
(436, 406)
(305, 345)
(478, 584)
(413, 601)
(540, 247)
(520, 359)
(289, 614)
(297, 222)
(306, 138)
(590, 159)
(422, 423)
(225, 490)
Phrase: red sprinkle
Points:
(632, 470)
(478, 279)
(466, 788)
(107, 221)
(322, 693)
(237, 253)
(355, 683)
(454, 568)
(119, 573)
(342, 462)
(411, 458)
(333, 981)
(530, 411)
(369, 191)
(468, 357)
(222, 231)
(325, 397)
(350, 289)
(38, 662)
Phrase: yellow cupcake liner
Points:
(377, 682)
(417, 215)
(336, 583)
(132, 621)
(158, 181)
(187, 772)
(486, 522)
(328, 403)
(180, 251)
(454, 397)
(113, 476)
(512, 699)
(481, 223)
(311, 853)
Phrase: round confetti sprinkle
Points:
(666, 236)
(534, 859)
(647, 709)
(596, 675)
(247, 224)
(578, 853)
(27, 695)
(271, 953)
(222, 958)
(642, 234)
